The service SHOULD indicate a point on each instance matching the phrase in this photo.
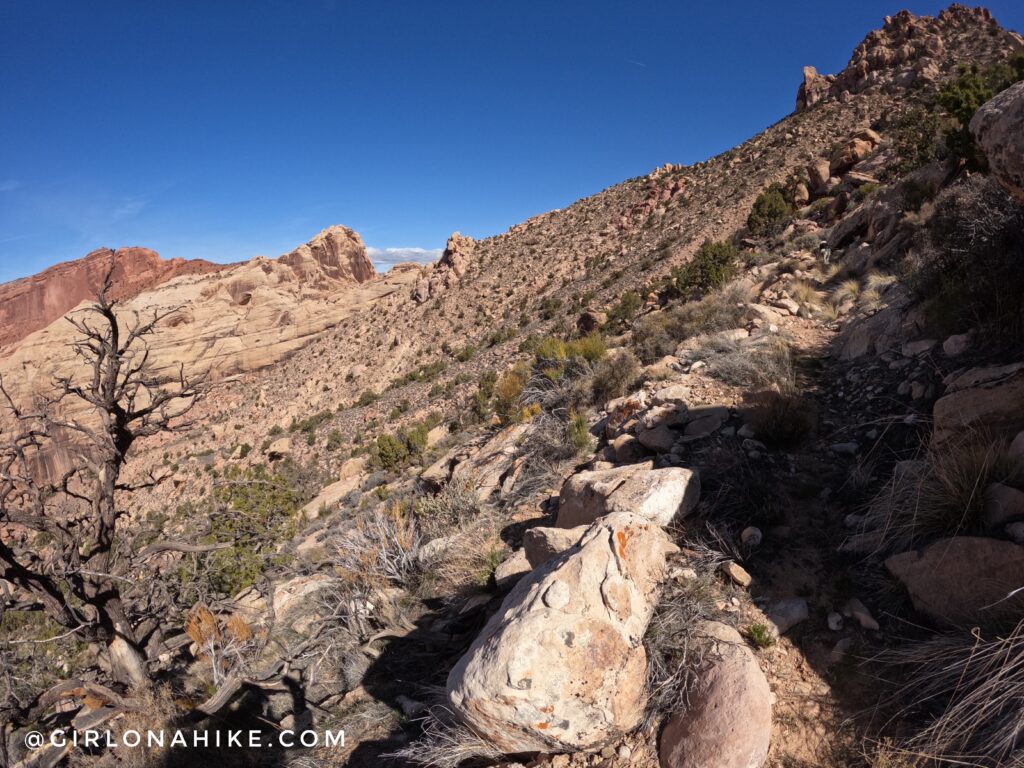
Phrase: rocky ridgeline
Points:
(908, 50)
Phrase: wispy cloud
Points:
(385, 258)
(9, 185)
(127, 208)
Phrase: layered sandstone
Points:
(34, 302)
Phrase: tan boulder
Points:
(996, 406)
(728, 723)
(541, 544)
(658, 495)
(997, 127)
(561, 666)
(818, 174)
(963, 580)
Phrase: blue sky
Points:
(232, 128)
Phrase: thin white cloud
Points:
(127, 208)
(385, 258)
(9, 185)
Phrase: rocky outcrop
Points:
(998, 127)
(335, 255)
(448, 270)
(907, 50)
(228, 320)
(34, 302)
(728, 723)
(658, 495)
(561, 666)
(963, 580)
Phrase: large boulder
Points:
(659, 495)
(728, 723)
(995, 405)
(541, 543)
(998, 127)
(561, 666)
(963, 580)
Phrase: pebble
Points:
(751, 537)
(1016, 532)
(857, 610)
(786, 614)
(737, 573)
(835, 621)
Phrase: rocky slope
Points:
(485, 553)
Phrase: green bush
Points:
(711, 267)
(367, 398)
(255, 511)
(335, 440)
(577, 433)
(625, 310)
(389, 452)
(770, 210)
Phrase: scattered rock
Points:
(751, 537)
(954, 346)
(997, 406)
(855, 609)
(512, 569)
(1003, 504)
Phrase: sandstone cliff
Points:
(34, 302)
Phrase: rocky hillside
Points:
(720, 467)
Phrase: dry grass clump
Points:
(806, 292)
(675, 648)
(758, 361)
(940, 496)
(445, 742)
(614, 376)
(381, 548)
(848, 290)
(971, 690)
(658, 334)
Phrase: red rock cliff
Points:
(34, 302)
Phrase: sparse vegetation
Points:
(770, 211)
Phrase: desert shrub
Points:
(244, 450)
(770, 210)
(389, 452)
(548, 307)
(676, 651)
(507, 391)
(465, 354)
(782, 419)
(614, 376)
(918, 137)
(968, 267)
(445, 742)
(939, 496)
(969, 688)
(380, 548)
(914, 193)
(711, 267)
(760, 635)
(255, 510)
(624, 310)
(367, 398)
(659, 333)
(335, 440)
(452, 506)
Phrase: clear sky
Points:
(230, 128)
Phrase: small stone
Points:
(751, 537)
(835, 621)
(839, 649)
(786, 614)
(857, 610)
(737, 573)
(956, 345)
(624, 752)
(917, 348)
(746, 431)
(903, 389)
(608, 752)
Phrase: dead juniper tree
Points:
(79, 574)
